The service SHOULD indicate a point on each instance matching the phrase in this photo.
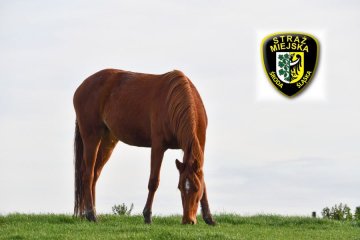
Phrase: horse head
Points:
(191, 186)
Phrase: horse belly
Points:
(132, 135)
(129, 121)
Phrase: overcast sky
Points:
(265, 153)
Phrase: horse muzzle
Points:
(189, 220)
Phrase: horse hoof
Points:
(147, 220)
(209, 221)
(90, 216)
(147, 216)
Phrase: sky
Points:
(265, 153)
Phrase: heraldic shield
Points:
(290, 60)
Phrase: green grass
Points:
(22, 226)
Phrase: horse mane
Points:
(183, 115)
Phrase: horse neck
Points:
(194, 152)
(183, 115)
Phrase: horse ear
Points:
(196, 166)
(180, 166)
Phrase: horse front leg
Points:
(205, 209)
(157, 154)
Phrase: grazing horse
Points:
(146, 110)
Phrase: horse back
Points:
(133, 106)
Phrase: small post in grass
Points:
(313, 214)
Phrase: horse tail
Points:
(78, 155)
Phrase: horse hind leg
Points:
(91, 146)
(107, 145)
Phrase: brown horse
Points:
(146, 110)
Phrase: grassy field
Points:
(21, 226)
